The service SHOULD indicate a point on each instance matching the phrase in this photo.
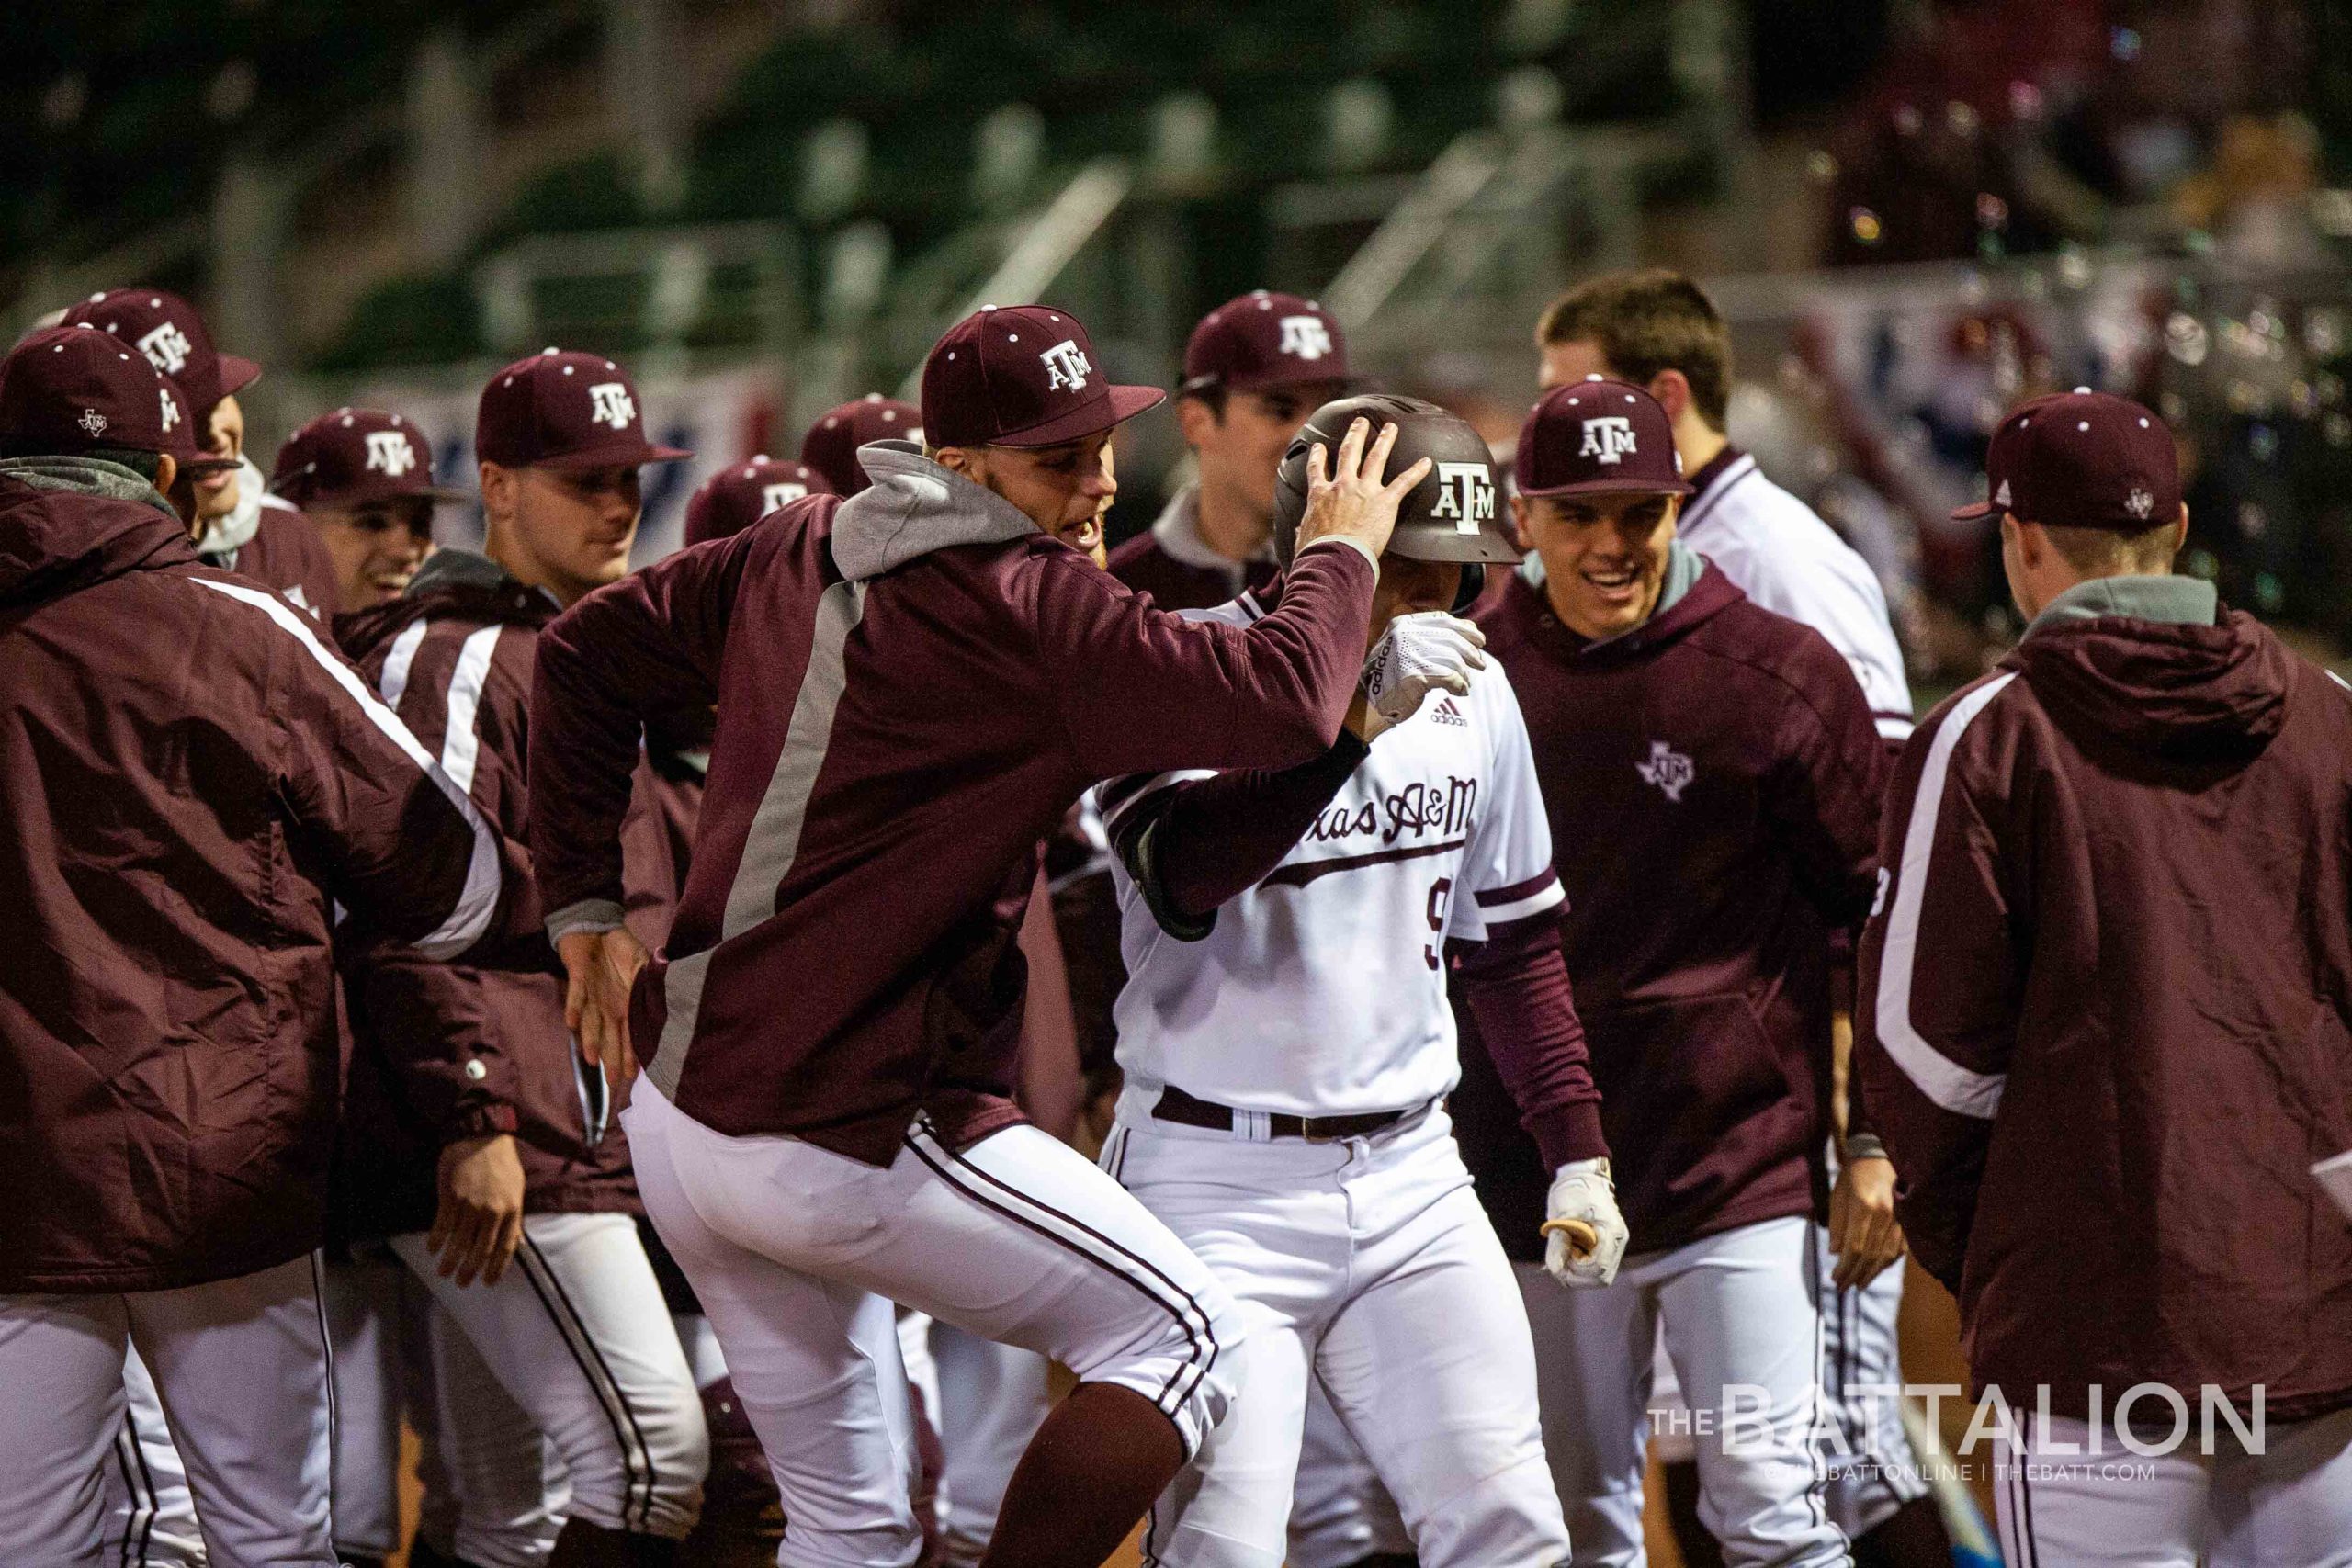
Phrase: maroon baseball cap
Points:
(1022, 375)
(741, 493)
(172, 334)
(564, 411)
(1597, 437)
(353, 457)
(2082, 459)
(831, 447)
(69, 390)
(1264, 339)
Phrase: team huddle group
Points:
(1489, 911)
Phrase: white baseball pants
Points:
(993, 1399)
(376, 1314)
(150, 1514)
(578, 1334)
(1339, 1513)
(2058, 1503)
(496, 1488)
(1744, 1332)
(797, 1253)
(1368, 1264)
(1872, 1470)
(242, 1370)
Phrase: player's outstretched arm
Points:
(1143, 691)
(646, 646)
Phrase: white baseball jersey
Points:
(1321, 990)
(1777, 552)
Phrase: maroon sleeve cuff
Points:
(480, 1119)
(1569, 1132)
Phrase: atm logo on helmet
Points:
(1465, 493)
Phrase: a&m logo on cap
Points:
(782, 493)
(2139, 504)
(93, 421)
(609, 403)
(167, 348)
(1306, 337)
(1607, 438)
(389, 453)
(1465, 493)
(171, 409)
(1067, 366)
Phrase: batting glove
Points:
(1584, 1237)
(1419, 654)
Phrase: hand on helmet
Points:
(1352, 502)
(1421, 653)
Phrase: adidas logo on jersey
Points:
(1448, 712)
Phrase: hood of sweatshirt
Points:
(912, 508)
(2166, 681)
(67, 523)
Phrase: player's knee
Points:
(1187, 1362)
(647, 1476)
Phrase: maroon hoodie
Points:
(456, 1051)
(913, 686)
(194, 779)
(1714, 780)
(2104, 1012)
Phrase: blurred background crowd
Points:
(1915, 213)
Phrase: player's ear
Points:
(1519, 531)
(962, 460)
(1196, 418)
(497, 487)
(1672, 390)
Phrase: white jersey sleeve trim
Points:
(1549, 897)
(461, 743)
(393, 682)
(477, 900)
(1956, 1088)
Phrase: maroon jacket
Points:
(461, 1050)
(658, 834)
(1714, 780)
(1171, 562)
(956, 679)
(2104, 1013)
(169, 856)
(285, 553)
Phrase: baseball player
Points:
(244, 530)
(368, 480)
(364, 480)
(480, 1070)
(1254, 368)
(1714, 776)
(1287, 1048)
(824, 1124)
(2104, 1028)
(1660, 331)
(831, 444)
(179, 1210)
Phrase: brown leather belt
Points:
(1176, 1106)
